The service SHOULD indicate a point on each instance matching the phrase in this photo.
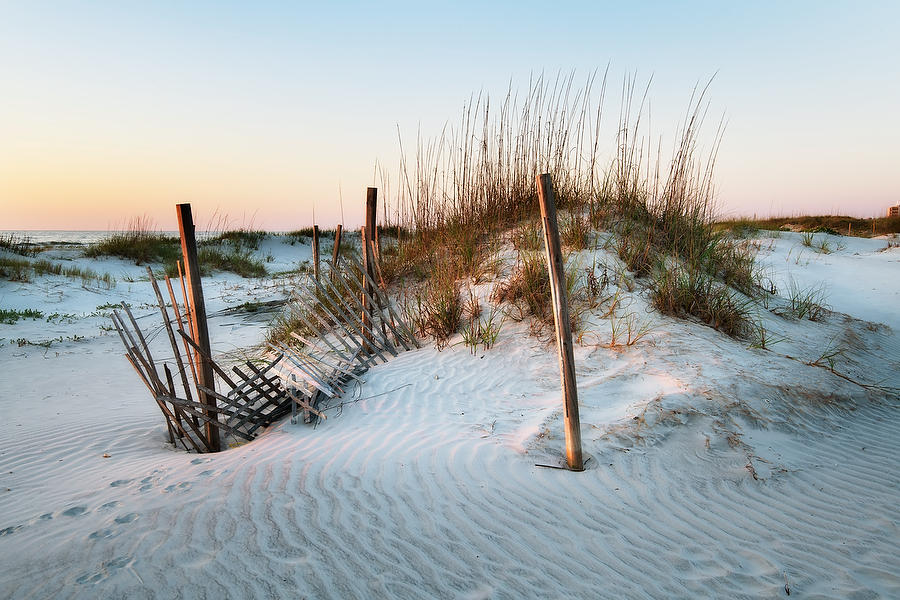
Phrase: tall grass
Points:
(139, 242)
(476, 180)
(20, 269)
(21, 245)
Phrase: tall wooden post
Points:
(336, 250)
(574, 456)
(315, 251)
(205, 374)
(368, 235)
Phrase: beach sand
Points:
(716, 469)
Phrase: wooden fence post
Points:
(368, 235)
(574, 456)
(315, 251)
(336, 250)
(205, 373)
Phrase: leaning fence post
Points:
(574, 456)
(198, 318)
(368, 261)
(336, 250)
(315, 251)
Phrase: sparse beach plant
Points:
(9, 316)
(807, 302)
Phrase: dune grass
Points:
(24, 270)
(476, 181)
(231, 251)
(140, 243)
(20, 245)
(833, 224)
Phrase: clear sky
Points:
(258, 111)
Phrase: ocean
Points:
(81, 238)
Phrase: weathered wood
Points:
(319, 333)
(149, 369)
(212, 364)
(239, 388)
(187, 349)
(195, 409)
(307, 405)
(336, 249)
(365, 315)
(384, 304)
(311, 344)
(139, 333)
(172, 341)
(348, 369)
(400, 322)
(347, 322)
(572, 420)
(205, 374)
(348, 314)
(366, 327)
(177, 413)
(315, 251)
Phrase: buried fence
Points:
(348, 326)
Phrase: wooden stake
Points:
(368, 235)
(205, 375)
(336, 250)
(574, 456)
(315, 251)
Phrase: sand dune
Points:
(716, 471)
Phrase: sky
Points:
(263, 114)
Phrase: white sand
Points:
(427, 486)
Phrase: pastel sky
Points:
(260, 112)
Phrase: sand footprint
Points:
(75, 511)
(129, 518)
(106, 569)
(102, 534)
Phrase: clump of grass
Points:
(628, 329)
(483, 332)
(681, 291)
(575, 231)
(528, 237)
(807, 303)
(298, 235)
(140, 242)
(8, 316)
(236, 260)
(236, 238)
(20, 245)
(16, 269)
(635, 246)
(527, 291)
(438, 308)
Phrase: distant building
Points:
(894, 211)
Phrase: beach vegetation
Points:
(24, 270)
(807, 302)
(19, 244)
(140, 242)
(9, 316)
(829, 224)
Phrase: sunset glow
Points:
(263, 114)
